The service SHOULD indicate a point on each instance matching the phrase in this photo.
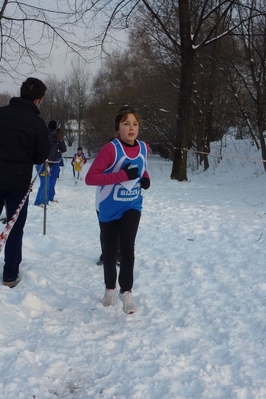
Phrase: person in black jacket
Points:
(23, 143)
(58, 147)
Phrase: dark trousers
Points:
(13, 246)
(121, 234)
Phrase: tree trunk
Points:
(262, 144)
(179, 169)
(261, 120)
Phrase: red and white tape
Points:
(231, 156)
(4, 235)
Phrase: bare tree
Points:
(249, 68)
(199, 23)
(132, 78)
(78, 94)
(55, 104)
(29, 32)
(4, 98)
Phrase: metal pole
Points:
(45, 197)
(79, 127)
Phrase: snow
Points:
(200, 290)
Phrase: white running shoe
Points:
(108, 298)
(128, 304)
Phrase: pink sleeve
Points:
(104, 160)
(146, 174)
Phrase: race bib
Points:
(122, 194)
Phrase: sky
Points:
(58, 61)
(200, 291)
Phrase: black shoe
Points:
(100, 261)
(4, 220)
(11, 284)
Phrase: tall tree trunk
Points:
(261, 124)
(179, 169)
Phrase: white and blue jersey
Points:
(114, 200)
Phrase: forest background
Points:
(194, 69)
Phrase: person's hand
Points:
(132, 173)
(145, 183)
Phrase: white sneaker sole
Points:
(133, 308)
(109, 300)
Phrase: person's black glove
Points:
(132, 173)
(145, 183)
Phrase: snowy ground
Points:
(200, 290)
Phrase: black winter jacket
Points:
(56, 149)
(23, 143)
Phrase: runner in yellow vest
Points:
(77, 162)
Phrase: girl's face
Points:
(129, 129)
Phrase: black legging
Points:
(123, 230)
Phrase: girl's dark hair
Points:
(32, 89)
(122, 115)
